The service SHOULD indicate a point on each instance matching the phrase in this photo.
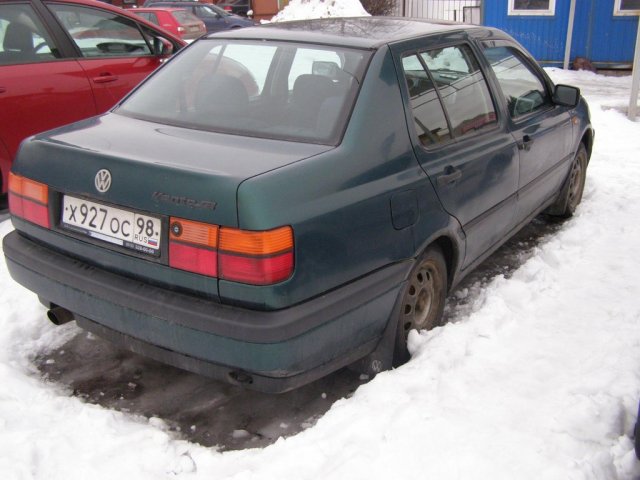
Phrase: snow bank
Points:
(307, 9)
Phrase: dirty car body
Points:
(282, 201)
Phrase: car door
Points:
(542, 130)
(213, 20)
(462, 142)
(114, 51)
(40, 88)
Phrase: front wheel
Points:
(571, 194)
(423, 300)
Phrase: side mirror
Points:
(162, 46)
(566, 95)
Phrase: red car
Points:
(67, 60)
(176, 20)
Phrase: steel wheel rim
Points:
(576, 183)
(420, 299)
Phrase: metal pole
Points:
(633, 100)
(567, 45)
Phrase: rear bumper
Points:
(273, 350)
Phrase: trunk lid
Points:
(156, 168)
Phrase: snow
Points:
(307, 9)
(538, 377)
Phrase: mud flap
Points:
(383, 356)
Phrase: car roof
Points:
(360, 32)
(159, 9)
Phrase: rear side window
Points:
(101, 34)
(183, 17)
(523, 90)
(151, 17)
(23, 38)
(446, 84)
(428, 114)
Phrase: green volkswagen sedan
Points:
(278, 202)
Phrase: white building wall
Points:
(454, 10)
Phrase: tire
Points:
(571, 193)
(423, 300)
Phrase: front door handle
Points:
(105, 78)
(450, 175)
(525, 144)
(2, 89)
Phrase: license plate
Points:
(194, 29)
(118, 226)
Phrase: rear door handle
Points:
(450, 175)
(525, 144)
(2, 89)
(105, 78)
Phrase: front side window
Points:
(523, 90)
(277, 90)
(209, 11)
(99, 33)
(532, 7)
(626, 7)
(23, 38)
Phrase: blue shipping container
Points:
(598, 35)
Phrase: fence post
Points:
(567, 45)
(633, 101)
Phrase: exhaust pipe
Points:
(59, 315)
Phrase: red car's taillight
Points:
(257, 258)
(29, 199)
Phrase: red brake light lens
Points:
(256, 271)
(192, 246)
(257, 258)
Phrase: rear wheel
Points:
(422, 300)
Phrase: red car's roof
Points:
(159, 9)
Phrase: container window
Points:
(532, 7)
(626, 7)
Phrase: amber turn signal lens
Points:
(28, 188)
(246, 242)
(197, 233)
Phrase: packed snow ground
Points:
(538, 379)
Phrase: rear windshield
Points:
(279, 90)
(183, 17)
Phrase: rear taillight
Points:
(29, 200)
(257, 258)
(192, 246)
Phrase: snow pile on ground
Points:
(307, 9)
(538, 379)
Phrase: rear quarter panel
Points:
(339, 202)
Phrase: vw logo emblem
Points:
(103, 180)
